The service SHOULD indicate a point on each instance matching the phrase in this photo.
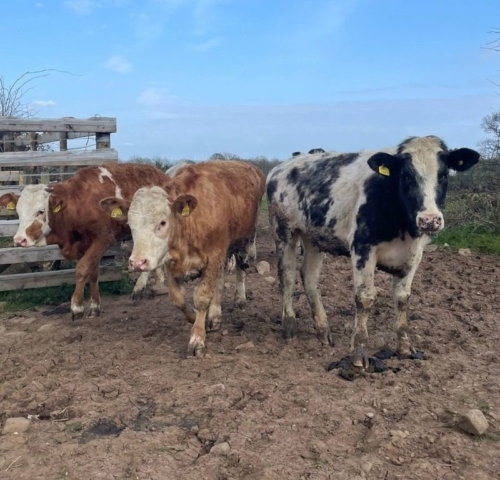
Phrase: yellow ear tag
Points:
(383, 170)
(461, 162)
(185, 211)
(11, 206)
(116, 212)
(57, 208)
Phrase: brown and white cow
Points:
(67, 214)
(193, 223)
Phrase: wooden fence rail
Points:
(41, 165)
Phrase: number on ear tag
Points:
(383, 170)
(116, 212)
(11, 206)
(57, 208)
(185, 211)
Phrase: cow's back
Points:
(228, 194)
(75, 227)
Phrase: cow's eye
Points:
(163, 223)
(41, 212)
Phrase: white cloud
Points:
(81, 7)
(38, 5)
(199, 130)
(118, 63)
(206, 46)
(43, 103)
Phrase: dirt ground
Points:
(116, 398)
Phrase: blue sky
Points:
(188, 78)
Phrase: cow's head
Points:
(32, 207)
(152, 215)
(419, 170)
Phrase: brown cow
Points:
(68, 214)
(193, 224)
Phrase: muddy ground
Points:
(117, 399)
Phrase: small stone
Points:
(263, 267)
(369, 415)
(195, 429)
(221, 449)
(269, 280)
(46, 328)
(464, 251)
(446, 245)
(245, 346)
(205, 435)
(224, 333)
(473, 422)
(366, 467)
(16, 425)
(228, 285)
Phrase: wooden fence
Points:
(21, 163)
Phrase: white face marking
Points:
(150, 218)
(106, 173)
(424, 153)
(31, 207)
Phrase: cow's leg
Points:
(311, 268)
(365, 292)
(252, 248)
(177, 295)
(140, 287)
(86, 266)
(240, 295)
(95, 298)
(287, 264)
(203, 295)
(401, 288)
(215, 310)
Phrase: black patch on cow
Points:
(326, 241)
(381, 218)
(283, 195)
(313, 182)
(271, 188)
(397, 272)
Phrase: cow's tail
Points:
(242, 265)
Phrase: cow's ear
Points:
(56, 203)
(462, 159)
(116, 208)
(384, 164)
(9, 201)
(184, 205)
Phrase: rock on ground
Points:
(473, 422)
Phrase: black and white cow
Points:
(378, 207)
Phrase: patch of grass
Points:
(492, 437)
(63, 473)
(25, 299)
(74, 427)
(483, 406)
(476, 239)
(264, 207)
(6, 242)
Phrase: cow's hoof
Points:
(213, 324)
(290, 328)
(325, 336)
(145, 293)
(350, 371)
(196, 347)
(94, 312)
(77, 315)
(240, 303)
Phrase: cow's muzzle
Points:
(140, 265)
(430, 223)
